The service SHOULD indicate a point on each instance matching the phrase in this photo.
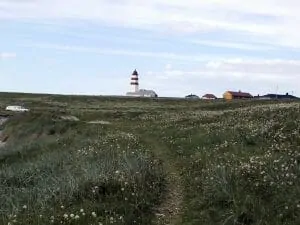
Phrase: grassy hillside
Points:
(150, 161)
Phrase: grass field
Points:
(149, 161)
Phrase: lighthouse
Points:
(134, 81)
(136, 91)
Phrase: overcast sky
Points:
(178, 47)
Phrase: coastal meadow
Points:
(89, 160)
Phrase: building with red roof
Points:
(209, 96)
(229, 95)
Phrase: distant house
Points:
(209, 96)
(276, 96)
(229, 95)
(192, 96)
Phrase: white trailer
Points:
(16, 108)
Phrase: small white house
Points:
(143, 93)
(16, 108)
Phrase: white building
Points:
(142, 93)
(135, 91)
(16, 108)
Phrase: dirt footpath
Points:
(2, 121)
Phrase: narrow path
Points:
(2, 121)
(169, 212)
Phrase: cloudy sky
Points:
(178, 47)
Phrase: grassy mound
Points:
(64, 172)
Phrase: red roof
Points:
(209, 96)
(240, 94)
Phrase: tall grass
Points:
(237, 162)
(84, 175)
(242, 168)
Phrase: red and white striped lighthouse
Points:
(135, 81)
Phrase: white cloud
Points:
(275, 67)
(125, 52)
(272, 70)
(7, 55)
(168, 67)
(235, 45)
(270, 21)
(257, 76)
